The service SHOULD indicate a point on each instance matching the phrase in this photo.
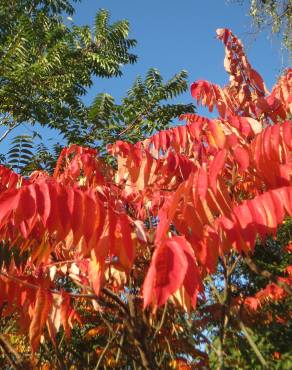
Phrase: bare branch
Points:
(10, 128)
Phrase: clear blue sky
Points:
(178, 34)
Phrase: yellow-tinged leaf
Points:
(182, 298)
(217, 133)
(255, 125)
(65, 311)
(42, 252)
(95, 272)
(54, 318)
(42, 308)
(117, 277)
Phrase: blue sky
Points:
(174, 35)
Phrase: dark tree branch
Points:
(266, 274)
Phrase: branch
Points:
(57, 292)
(232, 268)
(214, 289)
(160, 324)
(218, 353)
(252, 344)
(139, 342)
(139, 339)
(116, 298)
(131, 324)
(121, 347)
(110, 340)
(225, 313)
(266, 274)
(12, 127)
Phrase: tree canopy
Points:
(275, 15)
(47, 63)
(179, 256)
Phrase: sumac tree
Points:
(150, 262)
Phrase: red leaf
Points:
(8, 202)
(192, 281)
(217, 134)
(216, 166)
(65, 313)
(260, 215)
(242, 158)
(26, 207)
(44, 201)
(166, 272)
(258, 81)
(202, 183)
(77, 217)
(122, 244)
(252, 303)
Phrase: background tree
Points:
(47, 63)
(143, 111)
(275, 15)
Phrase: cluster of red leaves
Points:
(211, 186)
(272, 292)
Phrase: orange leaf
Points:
(216, 166)
(40, 315)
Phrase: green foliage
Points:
(20, 153)
(44, 158)
(268, 331)
(47, 63)
(26, 156)
(143, 111)
(275, 15)
(8, 253)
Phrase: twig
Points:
(132, 309)
(8, 131)
(169, 349)
(159, 326)
(119, 349)
(110, 340)
(108, 324)
(225, 310)
(161, 359)
(215, 290)
(116, 298)
(252, 344)
(210, 344)
(230, 271)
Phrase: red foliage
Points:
(211, 186)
